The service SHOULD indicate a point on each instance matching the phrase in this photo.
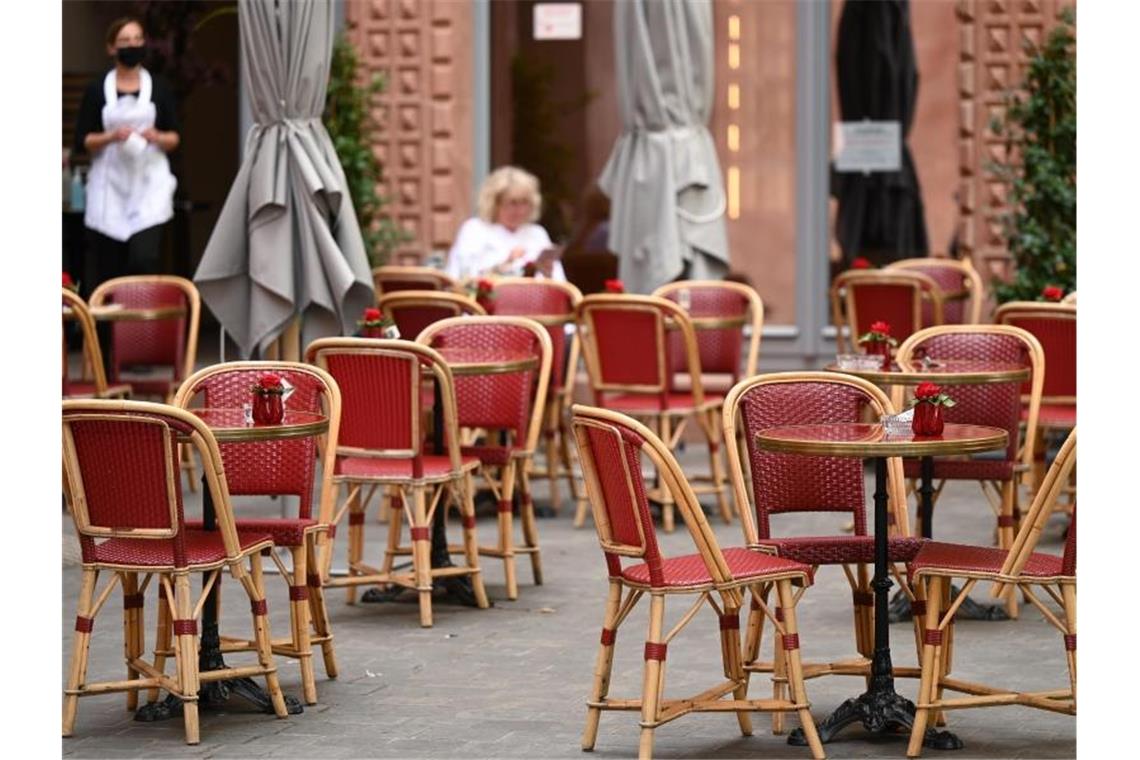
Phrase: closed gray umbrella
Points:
(287, 242)
(663, 177)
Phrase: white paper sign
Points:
(868, 146)
(558, 21)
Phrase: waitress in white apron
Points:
(127, 124)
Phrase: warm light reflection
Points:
(733, 138)
(733, 192)
(734, 27)
(734, 56)
(734, 96)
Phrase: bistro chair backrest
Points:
(512, 401)
(1044, 502)
(721, 349)
(1055, 327)
(788, 483)
(381, 383)
(169, 342)
(390, 279)
(413, 310)
(610, 446)
(552, 304)
(996, 404)
(960, 283)
(861, 297)
(120, 459)
(626, 346)
(92, 355)
(280, 466)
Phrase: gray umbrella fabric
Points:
(663, 178)
(287, 242)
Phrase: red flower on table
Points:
(1052, 293)
(860, 262)
(614, 286)
(529, 269)
(269, 382)
(484, 287)
(372, 315)
(930, 393)
(880, 332)
(69, 283)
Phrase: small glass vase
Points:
(927, 419)
(372, 332)
(268, 408)
(879, 348)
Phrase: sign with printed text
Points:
(868, 146)
(558, 21)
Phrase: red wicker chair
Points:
(381, 445)
(610, 447)
(627, 350)
(1055, 327)
(510, 404)
(283, 467)
(413, 310)
(390, 279)
(898, 297)
(1018, 567)
(120, 459)
(552, 304)
(777, 484)
(75, 310)
(723, 359)
(159, 343)
(996, 404)
(960, 283)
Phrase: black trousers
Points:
(109, 258)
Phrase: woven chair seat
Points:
(203, 548)
(840, 550)
(287, 531)
(962, 469)
(939, 558)
(397, 469)
(690, 569)
(641, 403)
(86, 389)
(1054, 415)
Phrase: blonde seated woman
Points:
(504, 237)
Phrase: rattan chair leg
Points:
(133, 641)
(470, 538)
(1069, 597)
(318, 610)
(254, 584)
(421, 553)
(933, 593)
(711, 426)
(300, 621)
(779, 671)
(795, 668)
(864, 613)
(755, 630)
(186, 656)
(163, 640)
(529, 526)
(654, 681)
(80, 644)
(395, 524)
(604, 665)
(569, 456)
(943, 656)
(665, 426)
(1005, 538)
(355, 539)
(506, 529)
(733, 668)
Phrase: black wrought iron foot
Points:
(899, 609)
(459, 589)
(544, 512)
(216, 696)
(879, 712)
(381, 595)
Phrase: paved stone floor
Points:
(511, 681)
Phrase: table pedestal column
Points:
(880, 709)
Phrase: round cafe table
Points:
(880, 709)
(229, 426)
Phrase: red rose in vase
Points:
(373, 324)
(860, 262)
(614, 286)
(878, 342)
(929, 401)
(69, 283)
(268, 404)
(1052, 293)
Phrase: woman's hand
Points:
(166, 141)
(120, 134)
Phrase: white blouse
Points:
(480, 247)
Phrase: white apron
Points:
(125, 193)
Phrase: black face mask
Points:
(131, 56)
